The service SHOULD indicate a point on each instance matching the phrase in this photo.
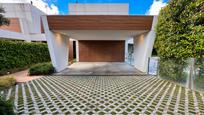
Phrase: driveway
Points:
(100, 68)
(104, 95)
(23, 76)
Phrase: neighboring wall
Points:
(25, 21)
(14, 25)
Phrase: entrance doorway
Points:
(72, 51)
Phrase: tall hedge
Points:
(180, 29)
(20, 54)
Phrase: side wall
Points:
(143, 46)
(58, 47)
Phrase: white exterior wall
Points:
(58, 47)
(36, 19)
(10, 34)
(98, 9)
(143, 46)
(29, 18)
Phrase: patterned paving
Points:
(104, 95)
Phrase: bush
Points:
(7, 81)
(6, 107)
(18, 55)
(41, 69)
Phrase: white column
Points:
(126, 50)
(143, 46)
(77, 50)
(58, 47)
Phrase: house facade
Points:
(89, 33)
(25, 22)
(99, 32)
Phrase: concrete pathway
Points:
(23, 76)
(100, 68)
(104, 95)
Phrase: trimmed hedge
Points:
(41, 69)
(16, 55)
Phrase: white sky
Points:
(156, 7)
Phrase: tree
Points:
(3, 20)
(180, 30)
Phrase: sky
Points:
(136, 7)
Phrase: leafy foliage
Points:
(7, 81)
(20, 54)
(180, 29)
(6, 106)
(3, 20)
(41, 69)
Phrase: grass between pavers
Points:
(103, 95)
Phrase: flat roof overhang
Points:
(99, 22)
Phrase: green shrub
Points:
(16, 55)
(7, 81)
(41, 69)
(6, 107)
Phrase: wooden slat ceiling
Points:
(99, 22)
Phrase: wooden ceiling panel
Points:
(99, 22)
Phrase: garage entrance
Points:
(99, 38)
(101, 51)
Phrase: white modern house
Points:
(25, 22)
(100, 32)
(89, 33)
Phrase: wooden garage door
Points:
(101, 51)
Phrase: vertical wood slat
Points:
(101, 51)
